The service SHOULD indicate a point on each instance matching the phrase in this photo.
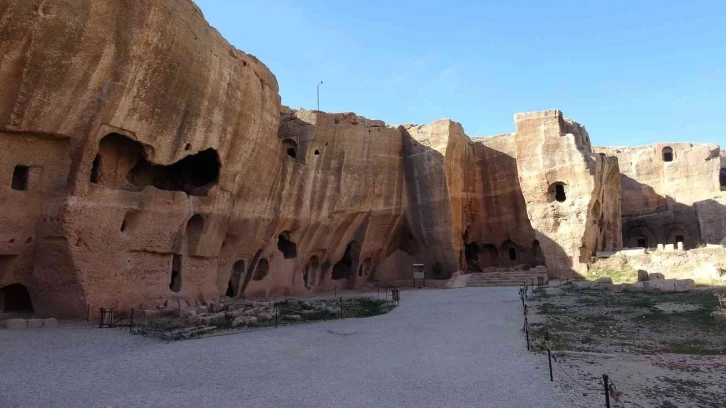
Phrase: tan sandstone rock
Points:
(16, 324)
(669, 285)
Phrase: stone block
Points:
(642, 275)
(680, 246)
(670, 248)
(660, 247)
(634, 287)
(656, 276)
(35, 323)
(669, 285)
(50, 322)
(583, 284)
(16, 324)
(616, 288)
(550, 291)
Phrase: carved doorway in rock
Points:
(238, 270)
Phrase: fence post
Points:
(131, 326)
(341, 308)
(275, 316)
(549, 353)
(607, 390)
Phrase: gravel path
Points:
(439, 348)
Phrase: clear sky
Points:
(633, 72)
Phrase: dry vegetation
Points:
(706, 266)
(659, 348)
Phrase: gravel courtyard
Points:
(439, 348)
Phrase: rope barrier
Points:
(608, 386)
(585, 387)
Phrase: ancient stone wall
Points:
(661, 183)
(147, 159)
(115, 98)
(572, 194)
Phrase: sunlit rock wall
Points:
(165, 85)
(147, 160)
(661, 183)
(572, 194)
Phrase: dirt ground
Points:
(660, 350)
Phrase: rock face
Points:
(147, 159)
(572, 194)
(671, 193)
(130, 130)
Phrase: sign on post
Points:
(418, 274)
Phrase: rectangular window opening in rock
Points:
(20, 178)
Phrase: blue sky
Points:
(633, 72)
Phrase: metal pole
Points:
(607, 390)
(549, 353)
(341, 307)
(321, 82)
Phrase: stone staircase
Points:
(508, 278)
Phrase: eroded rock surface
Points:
(147, 159)
(671, 192)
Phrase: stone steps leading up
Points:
(513, 278)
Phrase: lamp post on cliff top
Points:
(321, 82)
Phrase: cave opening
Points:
(121, 163)
(238, 270)
(290, 148)
(343, 268)
(95, 166)
(560, 193)
(667, 154)
(263, 267)
(16, 298)
(176, 278)
(471, 253)
(286, 246)
(20, 178)
(194, 175)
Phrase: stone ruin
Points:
(672, 193)
(147, 159)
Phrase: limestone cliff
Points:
(662, 183)
(147, 159)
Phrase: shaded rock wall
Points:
(661, 183)
(147, 159)
(502, 231)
